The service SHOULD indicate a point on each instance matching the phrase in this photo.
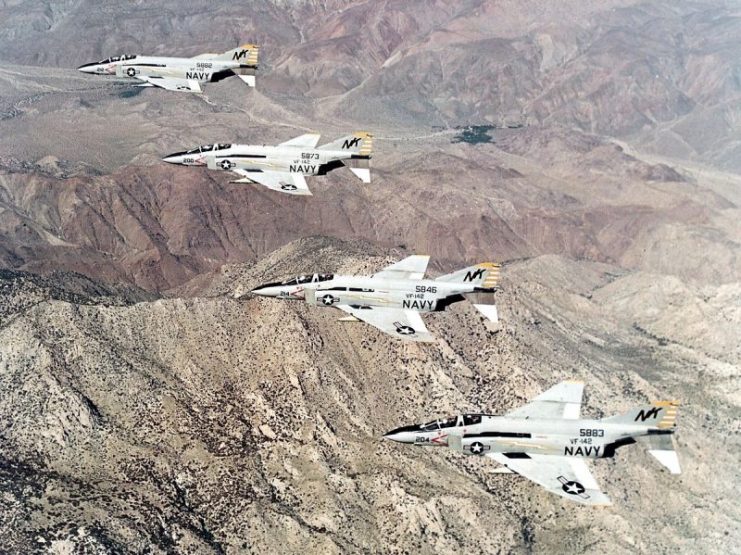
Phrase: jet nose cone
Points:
(173, 159)
(87, 68)
(267, 291)
(401, 435)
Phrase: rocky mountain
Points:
(652, 71)
(159, 226)
(226, 424)
(150, 405)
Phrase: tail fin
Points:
(246, 55)
(360, 144)
(660, 414)
(484, 275)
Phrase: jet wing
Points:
(291, 183)
(171, 83)
(564, 476)
(405, 324)
(562, 401)
(412, 267)
(310, 140)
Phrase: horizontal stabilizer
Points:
(362, 173)
(249, 79)
(667, 458)
(661, 447)
(488, 310)
(360, 167)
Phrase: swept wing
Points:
(405, 324)
(412, 267)
(309, 140)
(560, 401)
(171, 83)
(564, 476)
(291, 183)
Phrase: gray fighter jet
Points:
(548, 442)
(283, 167)
(180, 74)
(392, 299)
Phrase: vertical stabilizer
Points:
(245, 54)
(483, 276)
(358, 144)
(660, 414)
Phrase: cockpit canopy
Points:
(308, 278)
(453, 421)
(209, 148)
(118, 59)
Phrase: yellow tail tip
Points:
(666, 403)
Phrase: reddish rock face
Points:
(537, 191)
(83, 189)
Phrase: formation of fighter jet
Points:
(547, 441)
(283, 167)
(181, 74)
(392, 299)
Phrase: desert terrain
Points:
(150, 404)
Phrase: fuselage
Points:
(423, 295)
(287, 158)
(197, 69)
(482, 434)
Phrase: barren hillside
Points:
(222, 424)
(149, 404)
